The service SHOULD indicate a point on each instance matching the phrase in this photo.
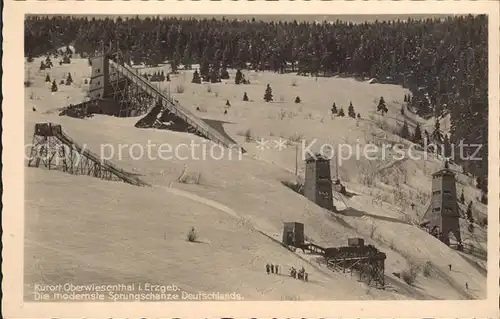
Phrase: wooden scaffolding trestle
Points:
(367, 260)
(172, 106)
(53, 149)
(119, 90)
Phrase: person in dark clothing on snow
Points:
(272, 269)
(268, 268)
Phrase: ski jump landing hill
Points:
(117, 89)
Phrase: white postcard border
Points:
(13, 169)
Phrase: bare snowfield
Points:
(81, 229)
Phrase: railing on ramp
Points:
(175, 108)
(124, 175)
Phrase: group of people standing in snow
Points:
(272, 269)
(301, 274)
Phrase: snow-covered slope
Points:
(111, 232)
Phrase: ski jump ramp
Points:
(121, 91)
(54, 149)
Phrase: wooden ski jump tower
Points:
(293, 234)
(318, 181)
(118, 89)
(117, 93)
(442, 216)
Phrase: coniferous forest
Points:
(443, 62)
